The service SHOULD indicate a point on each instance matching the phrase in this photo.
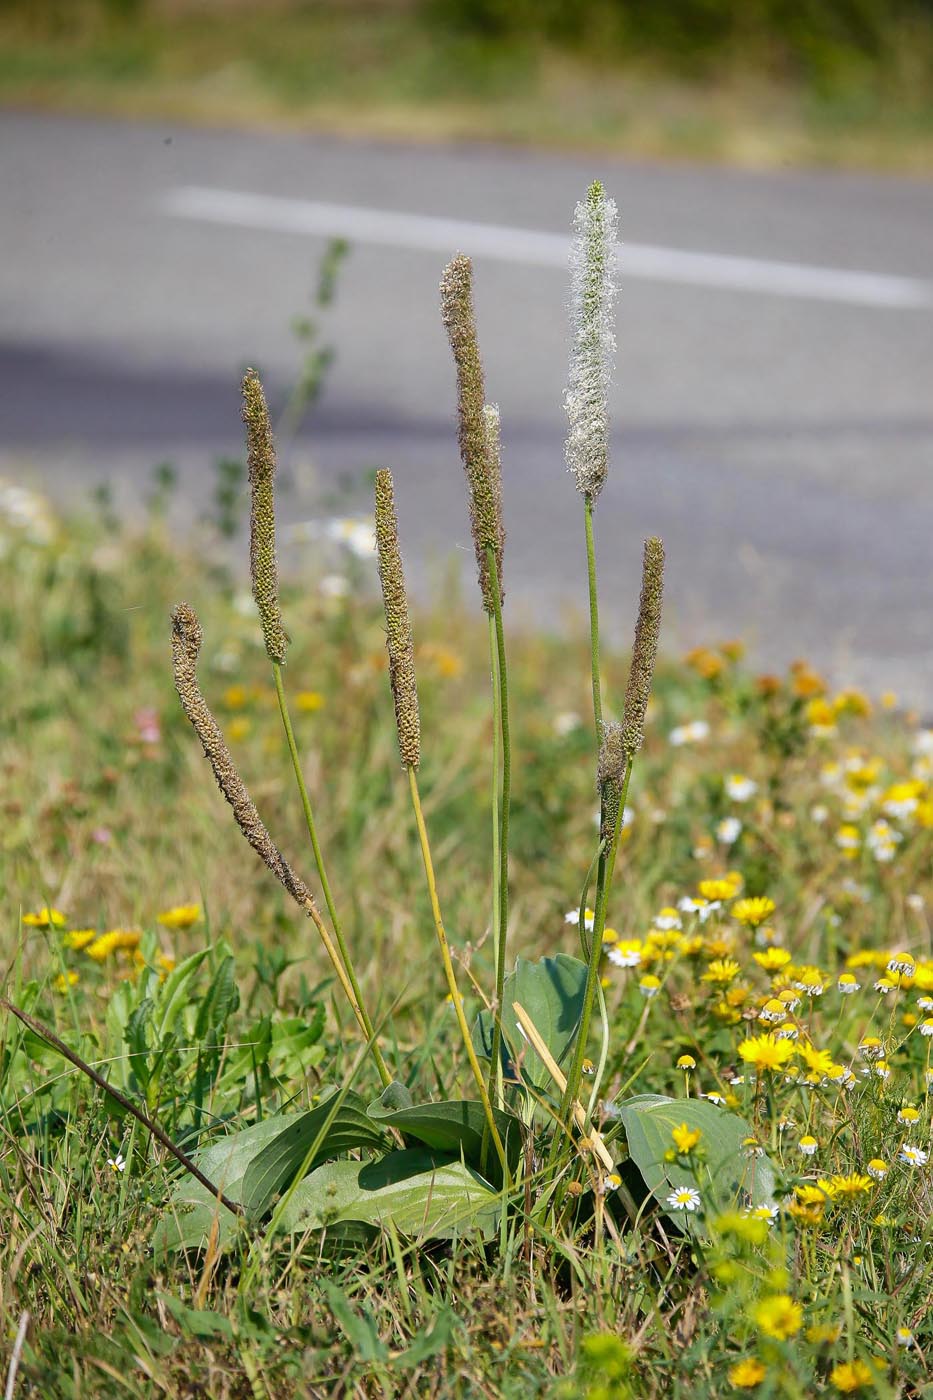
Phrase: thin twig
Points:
(52, 1039)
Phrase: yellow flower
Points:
(45, 918)
(308, 701)
(766, 1052)
(686, 1062)
(753, 911)
(850, 1376)
(717, 889)
(779, 1316)
(79, 938)
(238, 729)
(845, 1188)
(820, 714)
(851, 702)
(721, 971)
(818, 1062)
(685, 1139)
(64, 981)
(746, 1374)
(752, 1229)
(824, 1333)
(116, 940)
(772, 959)
(235, 697)
(181, 916)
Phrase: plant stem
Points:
(366, 1024)
(594, 615)
(41, 1030)
(596, 948)
(449, 970)
(496, 795)
(502, 672)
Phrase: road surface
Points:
(773, 402)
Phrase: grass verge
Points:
(377, 71)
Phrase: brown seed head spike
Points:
(645, 650)
(613, 759)
(186, 644)
(398, 624)
(479, 437)
(262, 564)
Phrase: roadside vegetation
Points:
(757, 84)
(576, 1041)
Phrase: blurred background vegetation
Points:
(756, 81)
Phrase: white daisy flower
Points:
(740, 788)
(118, 1163)
(684, 1198)
(728, 831)
(913, 1156)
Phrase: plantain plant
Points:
(528, 1148)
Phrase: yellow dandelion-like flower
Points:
(45, 918)
(773, 959)
(116, 940)
(718, 889)
(746, 1374)
(850, 1376)
(753, 911)
(778, 1316)
(182, 916)
(766, 1052)
(685, 1139)
(65, 981)
(79, 938)
(721, 971)
(818, 1062)
(846, 1188)
(824, 1333)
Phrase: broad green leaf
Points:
(720, 1168)
(422, 1193)
(325, 1131)
(393, 1097)
(189, 1217)
(196, 1321)
(457, 1127)
(551, 990)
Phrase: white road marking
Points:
(532, 248)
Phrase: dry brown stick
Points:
(52, 1039)
(557, 1074)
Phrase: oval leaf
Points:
(423, 1194)
(457, 1127)
(725, 1175)
(324, 1131)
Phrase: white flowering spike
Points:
(592, 265)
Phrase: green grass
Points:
(110, 815)
(378, 70)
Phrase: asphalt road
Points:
(773, 402)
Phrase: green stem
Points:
(384, 1074)
(596, 948)
(504, 817)
(496, 793)
(449, 971)
(594, 616)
